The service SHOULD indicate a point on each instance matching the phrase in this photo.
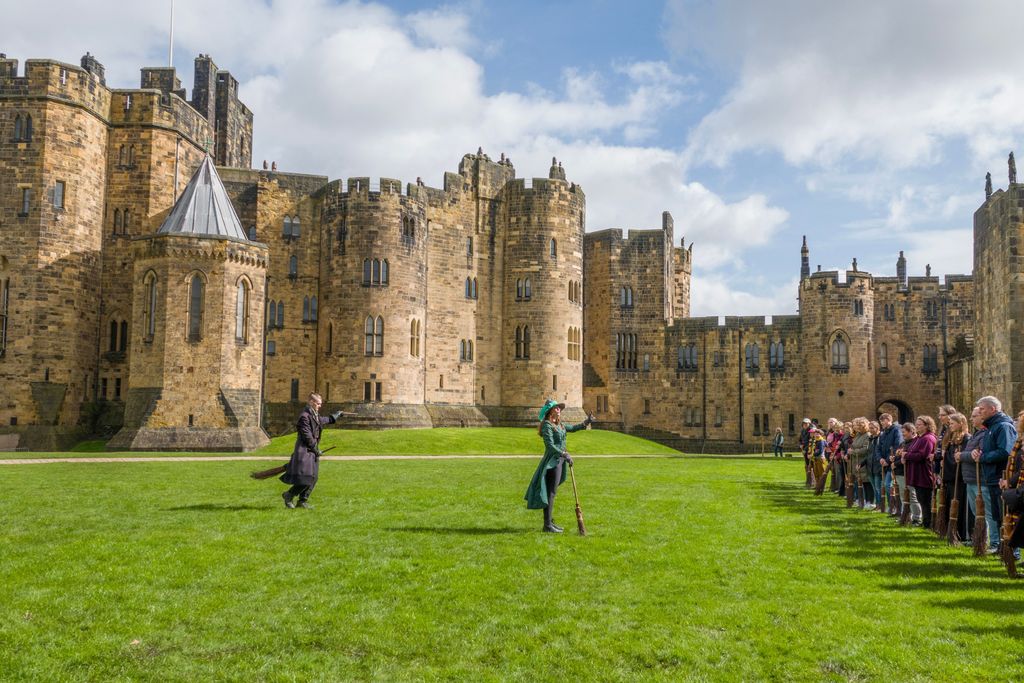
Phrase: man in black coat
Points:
(304, 466)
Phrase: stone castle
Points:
(156, 288)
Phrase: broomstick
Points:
(953, 528)
(882, 494)
(905, 514)
(1005, 551)
(939, 502)
(848, 484)
(579, 511)
(273, 471)
(894, 489)
(980, 535)
(819, 488)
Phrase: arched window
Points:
(296, 226)
(242, 312)
(366, 271)
(121, 156)
(469, 288)
(632, 352)
(368, 336)
(883, 356)
(287, 232)
(376, 272)
(28, 128)
(305, 309)
(272, 315)
(293, 266)
(384, 272)
(195, 309)
(622, 296)
(122, 345)
(378, 336)
(150, 311)
(647, 362)
(553, 248)
(682, 355)
(752, 356)
(526, 340)
(18, 128)
(280, 314)
(840, 353)
(620, 351)
(314, 309)
(131, 155)
(572, 291)
(527, 290)
(519, 342)
(113, 336)
(475, 293)
(127, 217)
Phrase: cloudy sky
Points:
(866, 125)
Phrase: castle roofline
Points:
(204, 208)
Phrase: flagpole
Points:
(170, 40)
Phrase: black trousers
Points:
(551, 478)
(924, 498)
(301, 490)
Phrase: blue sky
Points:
(868, 126)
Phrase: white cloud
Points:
(359, 89)
(825, 83)
(715, 295)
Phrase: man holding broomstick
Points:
(303, 469)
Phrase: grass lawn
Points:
(453, 440)
(694, 569)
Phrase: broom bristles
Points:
(267, 474)
(980, 534)
(1008, 559)
(943, 520)
(579, 521)
(953, 527)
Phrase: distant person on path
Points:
(551, 472)
(778, 441)
(304, 466)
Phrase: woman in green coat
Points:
(550, 472)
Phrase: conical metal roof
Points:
(204, 208)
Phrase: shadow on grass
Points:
(467, 531)
(884, 548)
(215, 507)
(1009, 607)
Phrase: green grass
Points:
(694, 569)
(446, 441)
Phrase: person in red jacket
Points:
(919, 457)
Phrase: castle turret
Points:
(197, 355)
(901, 270)
(805, 260)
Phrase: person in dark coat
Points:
(889, 440)
(550, 472)
(304, 467)
(993, 453)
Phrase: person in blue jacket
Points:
(550, 472)
(994, 452)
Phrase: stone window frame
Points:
(626, 351)
(372, 391)
(329, 342)
(575, 344)
(5, 302)
(310, 309)
(271, 347)
(626, 296)
(243, 304)
(26, 202)
(471, 288)
(150, 282)
(686, 358)
(883, 357)
(294, 389)
(22, 128)
(414, 338)
(373, 336)
(777, 355)
(752, 357)
(838, 351)
(553, 248)
(930, 359)
(60, 195)
(465, 350)
(195, 317)
(522, 346)
(376, 272)
(293, 267)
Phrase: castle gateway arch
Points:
(897, 408)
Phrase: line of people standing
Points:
(900, 469)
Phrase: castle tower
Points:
(837, 329)
(373, 311)
(52, 191)
(197, 359)
(901, 270)
(543, 286)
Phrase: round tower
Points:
(543, 312)
(837, 327)
(373, 312)
(198, 292)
